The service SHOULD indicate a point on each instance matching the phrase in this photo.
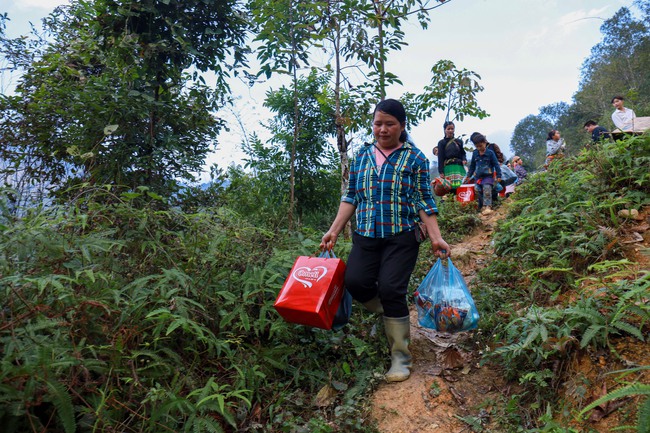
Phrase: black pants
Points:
(382, 266)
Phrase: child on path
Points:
(482, 168)
(497, 151)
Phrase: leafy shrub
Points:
(561, 236)
(569, 214)
(125, 314)
(456, 220)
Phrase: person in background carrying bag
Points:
(451, 157)
(389, 191)
(482, 168)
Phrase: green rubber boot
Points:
(398, 331)
(374, 305)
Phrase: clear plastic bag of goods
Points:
(443, 301)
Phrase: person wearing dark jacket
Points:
(497, 151)
(451, 157)
(482, 169)
(598, 133)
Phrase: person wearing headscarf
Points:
(518, 168)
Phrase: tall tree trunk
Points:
(380, 33)
(341, 143)
(292, 161)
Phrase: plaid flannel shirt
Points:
(388, 200)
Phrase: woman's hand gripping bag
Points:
(312, 292)
(443, 301)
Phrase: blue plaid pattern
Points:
(388, 200)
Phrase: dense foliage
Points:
(108, 96)
(133, 305)
(130, 317)
(123, 313)
(561, 283)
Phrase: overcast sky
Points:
(527, 52)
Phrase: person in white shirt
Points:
(622, 117)
(554, 147)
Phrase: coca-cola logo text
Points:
(465, 195)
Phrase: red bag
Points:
(441, 186)
(312, 292)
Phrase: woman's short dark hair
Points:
(551, 133)
(477, 137)
(590, 123)
(395, 109)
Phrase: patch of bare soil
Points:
(447, 383)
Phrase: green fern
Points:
(643, 425)
(634, 389)
(589, 335)
(59, 396)
(202, 424)
(630, 329)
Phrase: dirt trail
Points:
(446, 381)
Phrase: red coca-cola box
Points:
(312, 292)
(465, 193)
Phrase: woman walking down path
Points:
(451, 384)
(389, 191)
(452, 157)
